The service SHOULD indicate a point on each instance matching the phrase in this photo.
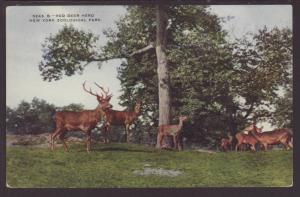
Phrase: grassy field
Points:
(114, 165)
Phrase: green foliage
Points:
(113, 166)
(283, 115)
(263, 66)
(195, 44)
(35, 117)
(67, 52)
(220, 85)
(72, 107)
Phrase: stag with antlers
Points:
(171, 130)
(84, 121)
(124, 118)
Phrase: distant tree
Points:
(263, 66)
(35, 117)
(283, 114)
(71, 107)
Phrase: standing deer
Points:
(84, 121)
(125, 118)
(277, 136)
(171, 130)
(244, 138)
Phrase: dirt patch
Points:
(40, 140)
(157, 171)
(205, 151)
(27, 140)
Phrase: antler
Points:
(105, 92)
(89, 91)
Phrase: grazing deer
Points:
(125, 118)
(84, 121)
(226, 143)
(171, 130)
(275, 137)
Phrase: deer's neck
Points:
(256, 135)
(137, 111)
(136, 114)
(180, 124)
(99, 111)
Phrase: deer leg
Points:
(237, 146)
(88, 141)
(252, 147)
(53, 136)
(290, 144)
(225, 148)
(106, 132)
(161, 140)
(265, 147)
(179, 142)
(287, 144)
(158, 145)
(175, 142)
(62, 138)
(127, 133)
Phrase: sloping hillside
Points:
(123, 165)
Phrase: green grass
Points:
(112, 165)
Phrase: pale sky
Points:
(24, 38)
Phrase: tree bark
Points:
(162, 66)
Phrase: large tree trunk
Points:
(162, 66)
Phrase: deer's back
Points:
(274, 136)
(86, 117)
(169, 129)
(244, 138)
(119, 117)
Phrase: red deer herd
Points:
(256, 136)
(87, 120)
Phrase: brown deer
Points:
(171, 130)
(226, 143)
(125, 118)
(243, 138)
(84, 121)
(277, 136)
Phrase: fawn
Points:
(171, 130)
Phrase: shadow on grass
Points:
(121, 150)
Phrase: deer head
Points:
(183, 118)
(137, 107)
(103, 100)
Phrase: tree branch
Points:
(103, 59)
(143, 50)
(150, 46)
(249, 110)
